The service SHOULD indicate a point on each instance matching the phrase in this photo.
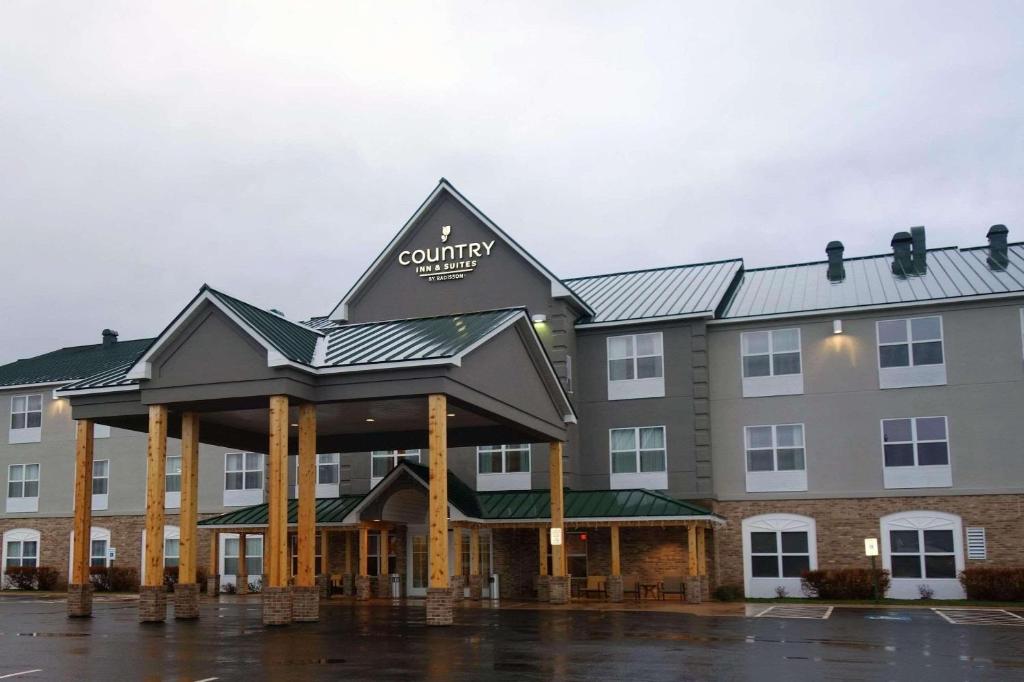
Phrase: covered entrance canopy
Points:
(231, 374)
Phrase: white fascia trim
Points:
(41, 384)
(870, 308)
(644, 320)
(102, 389)
(569, 418)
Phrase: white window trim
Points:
(231, 578)
(917, 475)
(504, 480)
(23, 505)
(652, 480)
(394, 454)
(244, 497)
(631, 389)
(910, 375)
(907, 588)
(772, 384)
(172, 500)
(765, 587)
(170, 533)
(95, 533)
(100, 502)
(26, 434)
(328, 489)
(19, 535)
(776, 480)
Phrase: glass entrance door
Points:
(418, 569)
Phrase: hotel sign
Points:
(448, 261)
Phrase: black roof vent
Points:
(902, 264)
(998, 257)
(277, 312)
(920, 250)
(109, 337)
(836, 270)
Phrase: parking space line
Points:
(23, 672)
(968, 616)
(807, 612)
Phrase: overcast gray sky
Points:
(272, 149)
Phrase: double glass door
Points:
(418, 558)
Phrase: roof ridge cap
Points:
(218, 292)
(428, 317)
(663, 267)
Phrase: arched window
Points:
(99, 546)
(777, 549)
(923, 550)
(20, 548)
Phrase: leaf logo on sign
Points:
(445, 231)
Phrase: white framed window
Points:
(777, 549)
(22, 488)
(775, 458)
(100, 484)
(172, 552)
(243, 479)
(771, 362)
(99, 547)
(503, 467)
(383, 461)
(923, 548)
(20, 549)
(172, 482)
(328, 475)
(636, 366)
(229, 557)
(638, 457)
(915, 453)
(911, 352)
(26, 418)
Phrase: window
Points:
(100, 476)
(639, 449)
(916, 452)
(910, 352)
(779, 554)
(575, 554)
(242, 471)
(373, 555)
(26, 418)
(172, 479)
(328, 469)
(98, 552)
(922, 554)
(172, 549)
(923, 548)
(383, 461)
(503, 459)
(293, 545)
(253, 555)
(20, 553)
(771, 353)
(775, 458)
(777, 550)
(23, 488)
(636, 366)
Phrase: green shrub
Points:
(113, 578)
(46, 578)
(31, 577)
(993, 584)
(728, 592)
(844, 583)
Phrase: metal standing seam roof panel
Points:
(582, 504)
(73, 363)
(650, 294)
(328, 510)
(869, 281)
(295, 341)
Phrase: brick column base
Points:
(305, 604)
(348, 584)
(439, 606)
(384, 586)
(558, 589)
(458, 584)
(614, 588)
(152, 604)
(693, 589)
(705, 588)
(80, 600)
(362, 587)
(476, 585)
(186, 601)
(241, 584)
(323, 583)
(213, 586)
(543, 588)
(277, 605)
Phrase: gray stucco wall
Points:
(842, 405)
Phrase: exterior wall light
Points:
(370, 419)
(837, 326)
(539, 319)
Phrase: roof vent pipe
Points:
(998, 258)
(109, 337)
(902, 265)
(836, 271)
(920, 251)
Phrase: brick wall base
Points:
(186, 601)
(705, 587)
(362, 587)
(277, 605)
(439, 606)
(323, 583)
(458, 584)
(543, 588)
(694, 593)
(558, 589)
(614, 587)
(476, 585)
(213, 586)
(348, 585)
(152, 604)
(305, 604)
(80, 600)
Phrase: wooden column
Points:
(542, 548)
(702, 559)
(616, 561)
(275, 550)
(83, 502)
(156, 472)
(306, 527)
(242, 578)
(364, 550)
(474, 551)
(214, 553)
(348, 552)
(457, 545)
(325, 553)
(557, 506)
(437, 423)
(383, 551)
(189, 498)
(691, 550)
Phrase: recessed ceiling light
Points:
(294, 424)
(451, 414)
(370, 419)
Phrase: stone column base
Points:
(241, 584)
(305, 604)
(362, 587)
(323, 583)
(213, 586)
(705, 588)
(458, 588)
(614, 587)
(277, 605)
(558, 589)
(543, 588)
(152, 604)
(476, 587)
(80, 600)
(186, 601)
(348, 585)
(693, 589)
(439, 606)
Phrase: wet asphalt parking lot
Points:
(383, 642)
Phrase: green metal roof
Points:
(460, 495)
(295, 341)
(518, 505)
(328, 510)
(72, 363)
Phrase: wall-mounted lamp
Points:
(539, 319)
(370, 419)
(837, 326)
